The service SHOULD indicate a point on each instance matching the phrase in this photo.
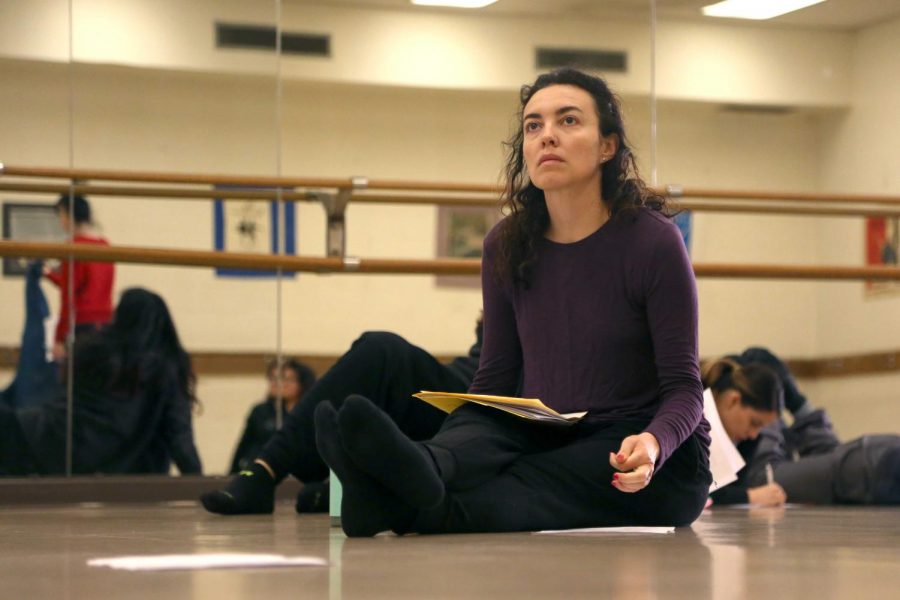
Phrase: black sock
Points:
(250, 492)
(313, 497)
(366, 507)
(376, 444)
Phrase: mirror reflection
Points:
(387, 91)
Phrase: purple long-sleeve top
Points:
(608, 325)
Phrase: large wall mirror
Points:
(389, 91)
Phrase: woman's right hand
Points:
(770, 494)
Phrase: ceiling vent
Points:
(612, 61)
(257, 37)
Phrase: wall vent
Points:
(757, 109)
(614, 61)
(260, 37)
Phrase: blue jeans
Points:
(37, 380)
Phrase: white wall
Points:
(442, 49)
(859, 154)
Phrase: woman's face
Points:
(288, 387)
(562, 143)
(741, 422)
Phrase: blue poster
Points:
(253, 226)
(683, 221)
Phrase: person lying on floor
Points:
(381, 365)
(808, 461)
(133, 391)
(590, 295)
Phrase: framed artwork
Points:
(882, 249)
(255, 227)
(460, 234)
(28, 222)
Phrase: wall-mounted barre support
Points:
(335, 205)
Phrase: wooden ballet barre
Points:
(156, 192)
(239, 260)
(674, 191)
(418, 199)
(818, 211)
(242, 180)
(801, 272)
(442, 266)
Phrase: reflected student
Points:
(92, 282)
(290, 382)
(133, 395)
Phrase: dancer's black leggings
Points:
(504, 473)
(381, 366)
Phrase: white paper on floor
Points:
(606, 530)
(167, 562)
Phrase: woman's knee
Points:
(380, 342)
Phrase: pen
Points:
(770, 475)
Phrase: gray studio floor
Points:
(728, 553)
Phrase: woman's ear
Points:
(609, 145)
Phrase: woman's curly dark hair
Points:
(622, 189)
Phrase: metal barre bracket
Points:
(674, 190)
(335, 205)
(351, 263)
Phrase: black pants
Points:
(381, 366)
(504, 473)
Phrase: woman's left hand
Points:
(634, 462)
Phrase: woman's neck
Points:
(575, 214)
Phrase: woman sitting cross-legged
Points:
(590, 295)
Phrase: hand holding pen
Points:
(770, 494)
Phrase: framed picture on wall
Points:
(28, 222)
(460, 234)
(254, 227)
(882, 249)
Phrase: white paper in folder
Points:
(724, 459)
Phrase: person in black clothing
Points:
(290, 383)
(133, 391)
(809, 462)
(381, 365)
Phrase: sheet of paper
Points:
(607, 531)
(755, 506)
(168, 562)
(724, 459)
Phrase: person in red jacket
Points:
(92, 282)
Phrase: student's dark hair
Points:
(304, 373)
(139, 350)
(759, 386)
(622, 189)
(76, 205)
